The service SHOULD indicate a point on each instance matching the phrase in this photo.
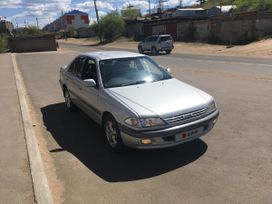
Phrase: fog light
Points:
(215, 120)
(146, 141)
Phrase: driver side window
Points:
(76, 67)
(89, 71)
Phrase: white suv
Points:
(156, 43)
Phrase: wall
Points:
(183, 30)
(158, 29)
(202, 30)
(242, 28)
(264, 27)
(33, 44)
(135, 30)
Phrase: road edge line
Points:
(41, 188)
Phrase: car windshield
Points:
(131, 71)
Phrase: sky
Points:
(22, 12)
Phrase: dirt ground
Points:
(262, 48)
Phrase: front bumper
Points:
(168, 137)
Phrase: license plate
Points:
(188, 134)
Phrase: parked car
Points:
(156, 43)
(136, 101)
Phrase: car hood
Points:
(163, 98)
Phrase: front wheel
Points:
(68, 102)
(154, 51)
(168, 51)
(112, 133)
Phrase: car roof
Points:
(102, 55)
(164, 35)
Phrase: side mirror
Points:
(89, 83)
(168, 70)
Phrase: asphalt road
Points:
(232, 164)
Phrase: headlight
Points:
(144, 122)
(211, 107)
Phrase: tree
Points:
(131, 13)
(109, 27)
(243, 5)
(254, 5)
(30, 31)
(3, 42)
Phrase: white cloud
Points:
(89, 5)
(171, 3)
(10, 3)
(44, 11)
(142, 4)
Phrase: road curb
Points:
(40, 183)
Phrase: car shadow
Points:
(79, 135)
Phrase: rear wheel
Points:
(112, 133)
(154, 51)
(68, 102)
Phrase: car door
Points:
(152, 42)
(89, 96)
(145, 44)
(73, 78)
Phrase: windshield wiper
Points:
(134, 82)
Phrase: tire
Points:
(154, 51)
(168, 51)
(68, 101)
(112, 134)
(140, 49)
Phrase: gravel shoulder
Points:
(262, 48)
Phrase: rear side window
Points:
(153, 39)
(165, 38)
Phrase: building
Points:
(190, 13)
(72, 20)
(221, 10)
(5, 26)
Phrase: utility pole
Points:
(232, 20)
(63, 24)
(149, 7)
(37, 21)
(96, 11)
(160, 7)
(180, 3)
(25, 23)
(97, 18)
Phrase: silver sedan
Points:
(136, 101)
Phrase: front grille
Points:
(186, 117)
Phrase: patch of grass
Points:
(3, 43)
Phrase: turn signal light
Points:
(146, 141)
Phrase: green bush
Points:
(245, 5)
(110, 27)
(30, 31)
(3, 43)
